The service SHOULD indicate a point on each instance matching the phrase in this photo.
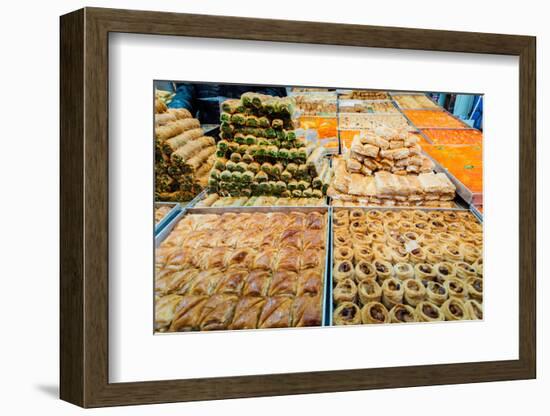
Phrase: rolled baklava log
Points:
(436, 293)
(433, 253)
(403, 271)
(414, 292)
(384, 270)
(444, 271)
(362, 253)
(454, 310)
(424, 272)
(164, 311)
(375, 313)
(474, 309)
(478, 265)
(345, 291)
(464, 271)
(475, 288)
(364, 270)
(247, 312)
(392, 292)
(428, 312)
(343, 269)
(369, 291)
(347, 313)
(455, 288)
(343, 253)
(452, 253)
(402, 314)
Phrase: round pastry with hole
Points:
(446, 238)
(358, 226)
(405, 226)
(428, 312)
(375, 227)
(382, 252)
(469, 252)
(392, 292)
(455, 288)
(356, 214)
(420, 215)
(343, 269)
(389, 215)
(401, 314)
(421, 227)
(347, 313)
(362, 253)
(474, 309)
(399, 254)
(403, 271)
(454, 310)
(369, 290)
(341, 238)
(345, 291)
(464, 271)
(452, 253)
(435, 215)
(375, 313)
(475, 288)
(436, 293)
(478, 265)
(444, 270)
(417, 255)
(343, 253)
(411, 236)
(360, 239)
(424, 271)
(392, 226)
(374, 215)
(414, 292)
(384, 270)
(433, 253)
(405, 215)
(379, 238)
(364, 270)
(451, 216)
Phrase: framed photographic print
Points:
(261, 207)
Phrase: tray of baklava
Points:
(394, 265)
(242, 270)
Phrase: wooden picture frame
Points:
(84, 207)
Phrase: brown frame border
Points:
(84, 206)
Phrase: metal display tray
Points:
(330, 303)
(176, 207)
(159, 238)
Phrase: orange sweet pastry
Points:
(454, 136)
(432, 118)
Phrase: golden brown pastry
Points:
(341, 238)
(400, 254)
(455, 288)
(417, 255)
(374, 215)
(343, 253)
(343, 269)
(306, 311)
(414, 292)
(392, 292)
(177, 282)
(276, 313)
(403, 271)
(474, 309)
(310, 281)
(451, 253)
(345, 291)
(464, 271)
(264, 259)
(358, 226)
(241, 257)
(368, 291)
(424, 272)
(375, 313)
(247, 312)
(292, 237)
(475, 288)
(347, 313)
(217, 312)
(288, 259)
(257, 283)
(478, 265)
(283, 283)
(205, 282)
(364, 270)
(444, 271)
(187, 314)
(313, 239)
(454, 310)
(310, 259)
(436, 293)
(433, 254)
(314, 221)
(469, 252)
(362, 253)
(402, 314)
(428, 312)
(384, 270)
(164, 311)
(232, 282)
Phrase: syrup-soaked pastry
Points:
(264, 259)
(310, 259)
(247, 312)
(369, 290)
(232, 282)
(343, 269)
(362, 253)
(283, 282)
(428, 239)
(414, 292)
(188, 313)
(464, 271)
(381, 252)
(388, 215)
(420, 215)
(374, 215)
(364, 270)
(205, 282)
(313, 239)
(164, 311)
(375, 227)
(411, 236)
(358, 226)
(406, 215)
(436, 293)
(444, 271)
(217, 312)
(456, 288)
(310, 282)
(455, 227)
(345, 291)
(288, 259)
(424, 271)
(292, 237)
(392, 292)
(341, 238)
(475, 288)
(392, 226)
(417, 255)
(347, 313)
(433, 254)
(403, 271)
(402, 314)
(451, 216)
(179, 282)
(343, 253)
(454, 310)
(314, 221)
(375, 313)
(428, 312)
(384, 270)
(241, 257)
(446, 238)
(359, 239)
(378, 238)
(276, 313)
(421, 227)
(257, 283)
(469, 252)
(400, 254)
(474, 309)
(395, 239)
(406, 226)
(452, 253)
(306, 311)
(215, 259)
